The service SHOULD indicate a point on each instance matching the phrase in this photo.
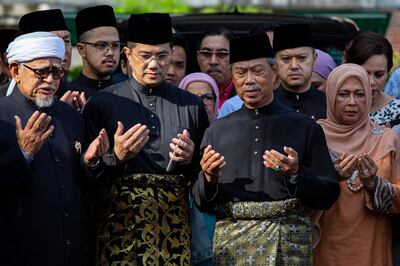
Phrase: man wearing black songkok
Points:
(155, 130)
(99, 47)
(53, 21)
(262, 179)
(295, 59)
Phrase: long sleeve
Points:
(317, 184)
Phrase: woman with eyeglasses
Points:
(206, 88)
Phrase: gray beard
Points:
(42, 103)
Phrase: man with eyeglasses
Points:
(42, 214)
(295, 60)
(99, 47)
(156, 129)
(53, 21)
(262, 178)
(213, 59)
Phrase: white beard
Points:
(42, 103)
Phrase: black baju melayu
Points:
(312, 103)
(152, 223)
(248, 196)
(88, 85)
(42, 218)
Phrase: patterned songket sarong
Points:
(263, 233)
(145, 222)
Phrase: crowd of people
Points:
(271, 154)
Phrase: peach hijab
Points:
(363, 136)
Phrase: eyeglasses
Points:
(208, 99)
(43, 73)
(208, 54)
(146, 58)
(102, 47)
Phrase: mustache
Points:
(109, 59)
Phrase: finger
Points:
(367, 164)
(348, 161)
(290, 151)
(18, 125)
(66, 96)
(217, 164)
(138, 134)
(186, 134)
(272, 155)
(32, 120)
(47, 134)
(45, 124)
(37, 126)
(207, 156)
(134, 132)
(120, 129)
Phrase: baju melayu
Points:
(144, 219)
(312, 102)
(42, 216)
(89, 86)
(263, 217)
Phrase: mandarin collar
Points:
(295, 95)
(142, 89)
(94, 83)
(268, 109)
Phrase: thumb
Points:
(186, 133)
(290, 151)
(120, 129)
(18, 126)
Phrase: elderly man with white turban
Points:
(42, 216)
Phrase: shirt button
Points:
(256, 152)
(257, 127)
(66, 214)
(256, 139)
(67, 242)
(57, 159)
(297, 110)
(62, 186)
(152, 104)
(153, 127)
(152, 116)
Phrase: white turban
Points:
(35, 45)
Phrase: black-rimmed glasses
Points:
(161, 58)
(43, 73)
(102, 47)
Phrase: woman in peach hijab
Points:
(357, 229)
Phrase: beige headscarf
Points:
(363, 136)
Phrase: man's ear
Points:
(81, 49)
(14, 71)
(274, 71)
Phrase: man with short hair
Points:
(295, 60)
(42, 216)
(262, 178)
(177, 68)
(158, 128)
(99, 47)
(213, 59)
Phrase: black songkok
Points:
(150, 28)
(250, 46)
(292, 36)
(94, 17)
(6, 36)
(44, 20)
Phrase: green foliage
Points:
(73, 73)
(137, 6)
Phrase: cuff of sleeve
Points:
(28, 159)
